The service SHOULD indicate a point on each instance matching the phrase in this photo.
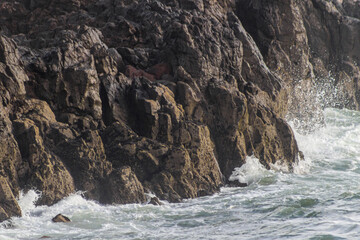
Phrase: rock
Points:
(60, 218)
(187, 97)
(159, 70)
(167, 96)
(9, 206)
(11, 71)
(84, 155)
(188, 172)
(236, 184)
(44, 170)
(167, 110)
(132, 72)
(307, 52)
(124, 187)
(3, 215)
(155, 201)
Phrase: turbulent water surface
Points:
(321, 200)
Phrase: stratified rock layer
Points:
(119, 98)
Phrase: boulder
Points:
(60, 218)
(155, 201)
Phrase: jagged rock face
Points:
(313, 46)
(335, 48)
(9, 206)
(124, 187)
(42, 169)
(120, 98)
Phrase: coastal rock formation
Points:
(313, 46)
(119, 98)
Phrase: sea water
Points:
(319, 200)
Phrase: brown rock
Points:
(187, 97)
(132, 72)
(44, 170)
(155, 201)
(124, 187)
(13, 75)
(307, 52)
(3, 215)
(159, 70)
(9, 206)
(80, 108)
(84, 155)
(60, 218)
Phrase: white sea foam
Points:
(279, 166)
(303, 166)
(251, 171)
(27, 201)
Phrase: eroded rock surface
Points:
(120, 98)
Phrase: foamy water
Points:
(320, 200)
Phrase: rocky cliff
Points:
(117, 98)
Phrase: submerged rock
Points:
(155, 201)
(236, 184)
(60, 218)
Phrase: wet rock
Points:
(44, 170)
(124, 187)
(307, 52)
(179, 134)
(9, 206)
(155, 201)
(60, 218)
(236, 184)
(84, 155)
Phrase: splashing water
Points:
(250, 172)
(320, 200)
